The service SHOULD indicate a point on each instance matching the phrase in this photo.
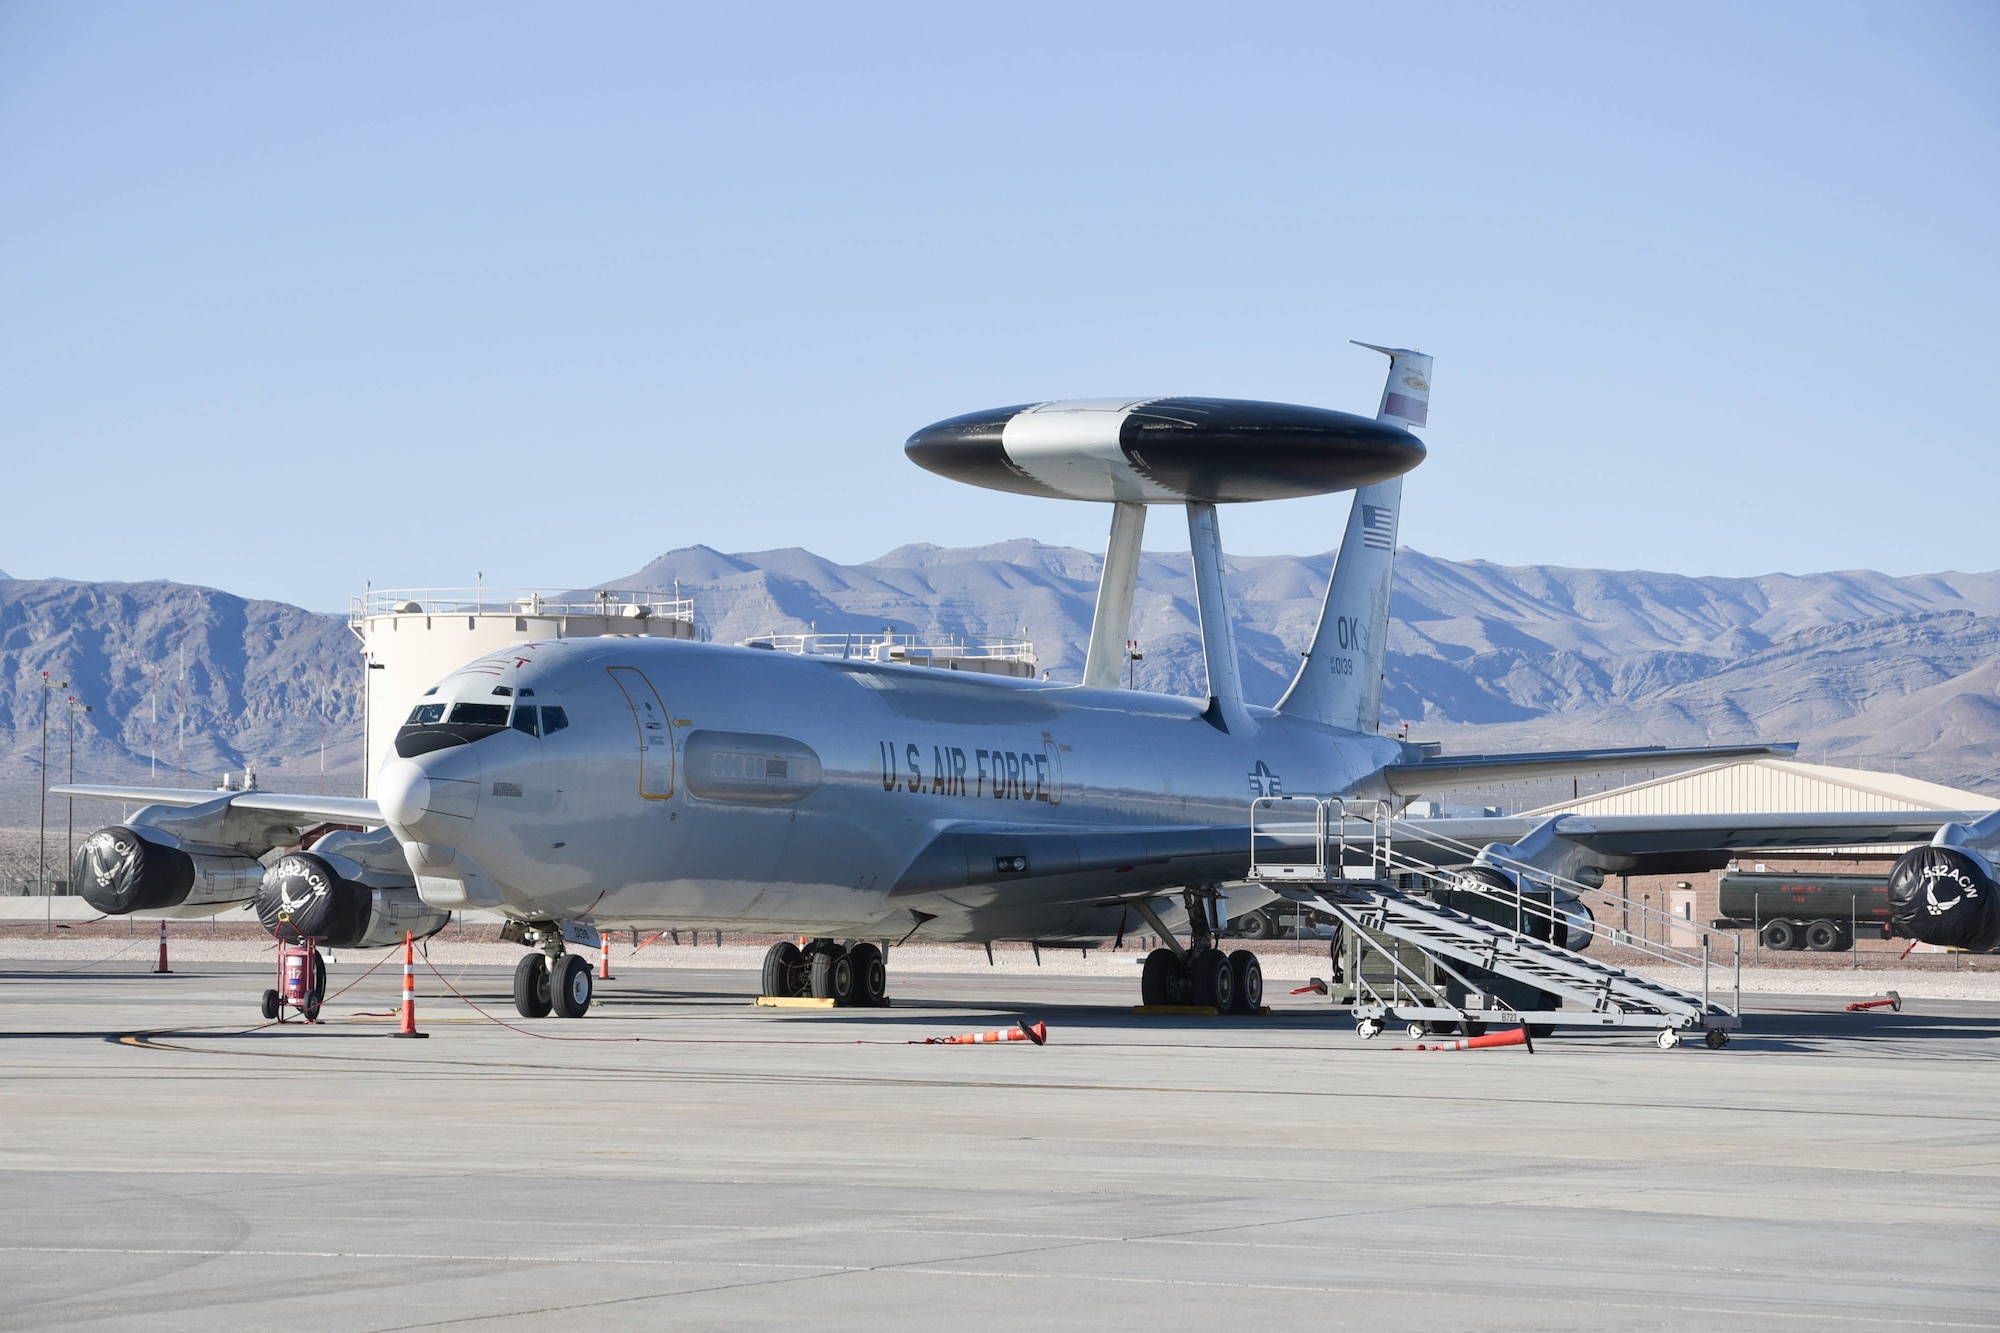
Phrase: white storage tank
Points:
(413, 638)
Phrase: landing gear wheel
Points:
(531, 987)
(1156, 978)
(1716, 1039)
(570, 987)
(1822, 936)
(871, 974)
(270, 1005)
(1368, 1028)
(784, 971)
(833, 976)
(1214, 981)
(1668, 1039)
(318, 992)
(1249, 981)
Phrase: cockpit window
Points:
(524, 719)
(424, 731)
(554, 719)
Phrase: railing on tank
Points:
(907, 649)
(606, 602)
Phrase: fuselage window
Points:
(426, 714)
(554, 719)
(524, 719)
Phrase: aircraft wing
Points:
(326, 809)
(1116, 860)
(1672, 844)
(1453, 772)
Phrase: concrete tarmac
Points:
(680, 1156)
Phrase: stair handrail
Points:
(1385, 856)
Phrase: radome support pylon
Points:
(1038, 1033)
(409, 1026)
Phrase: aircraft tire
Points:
(570, 987)
(531, 987)
(1156, 978)
(1249, 981)
(833, 976)
(1214, 981)
(785, 973)
(871, 974)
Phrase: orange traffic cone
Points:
(409, 1028)
(162, 968)
(1511, 1037)
(1891, 1000)
(604, 963)
(1038, 1034)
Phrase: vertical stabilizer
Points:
(1340, 682)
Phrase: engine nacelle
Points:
(1945, 896)
(304, 895)
(120, 870)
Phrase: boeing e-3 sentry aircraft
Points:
(617, 782)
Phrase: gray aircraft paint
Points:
(903, 756)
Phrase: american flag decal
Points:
(1378, 527)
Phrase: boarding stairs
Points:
(1341, 857)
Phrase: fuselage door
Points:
(656, 732)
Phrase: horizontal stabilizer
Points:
(1454, 772)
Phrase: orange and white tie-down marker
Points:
(409, 1027)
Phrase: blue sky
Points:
(294, 296)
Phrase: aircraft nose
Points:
(424, 804)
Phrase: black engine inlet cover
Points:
(117, 871)
(303, 897)
(1943, 896)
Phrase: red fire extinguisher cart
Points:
(301, 978)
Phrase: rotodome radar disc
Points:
(1165, 450)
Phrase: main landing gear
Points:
(847, 974)
(1201, 974)
(552, 980)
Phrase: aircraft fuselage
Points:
(701, 785)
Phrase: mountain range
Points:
(1861, 668)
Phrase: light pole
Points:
(42, 835)
(69, 817)
(1132, 657)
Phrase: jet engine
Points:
(1945, 896)
(120, 870)
(341, 900)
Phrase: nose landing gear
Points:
(551, 980)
